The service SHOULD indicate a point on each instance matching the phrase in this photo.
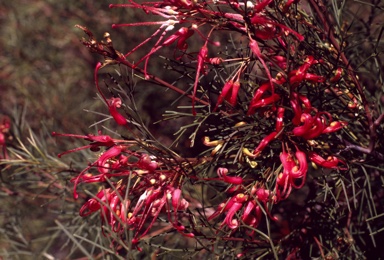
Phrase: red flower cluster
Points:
(201, 14)
(242, 206)
(154, 188)
(138, 213)
(293, 169)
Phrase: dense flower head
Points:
(244, 208)
(137, 212)
(153, 190)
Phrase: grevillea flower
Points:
(94, 204)
(202, 58)
(301, 74)
(309, 123)
(252, 214)
(229, 93)
(331, 162)
(102, 164)
(280, 61)
(96, 141)
(113, 105)
(150, 205)
(316, 129)
(254, 46)
(253, 211)
(243, 208)
(303, 101)
(294, 169)
(233, 206)
(145, 162)
(222, 173)
(264, 142)
(111, 207)
(313, 126)
(301, 167)
(263, 195)
(296, 107)
(263, 102)
(178, 204)
(334, 126)
(259, 99)
(225, 93)
(337, 76)
(264, 22)
(180, 36)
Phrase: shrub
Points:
(277, 149)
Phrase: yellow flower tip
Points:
(248, 153)
(239, 124)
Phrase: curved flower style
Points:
(244, 209)
(113, 104)
(331, 162)
(222, 172)
(294, 169)
(313, 126)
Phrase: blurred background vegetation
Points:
(44, 67)
(46, 82)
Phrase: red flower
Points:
(145, 162)
(251, 214)
(264, 142)
(96, 142)
(313, 126)
(113, 105)
(94, 204)
(299, 75)
(229, 93)
(262, 103)
(225, 93)
(178, 204)
(202, 58)
(222, 172)
(280, 119)
(111, 208)
(292, 171)
(301, 168)
(235, 205)
(180, 36)
(334, 126)
(337, 76)
(307, 121)
(331, 162)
